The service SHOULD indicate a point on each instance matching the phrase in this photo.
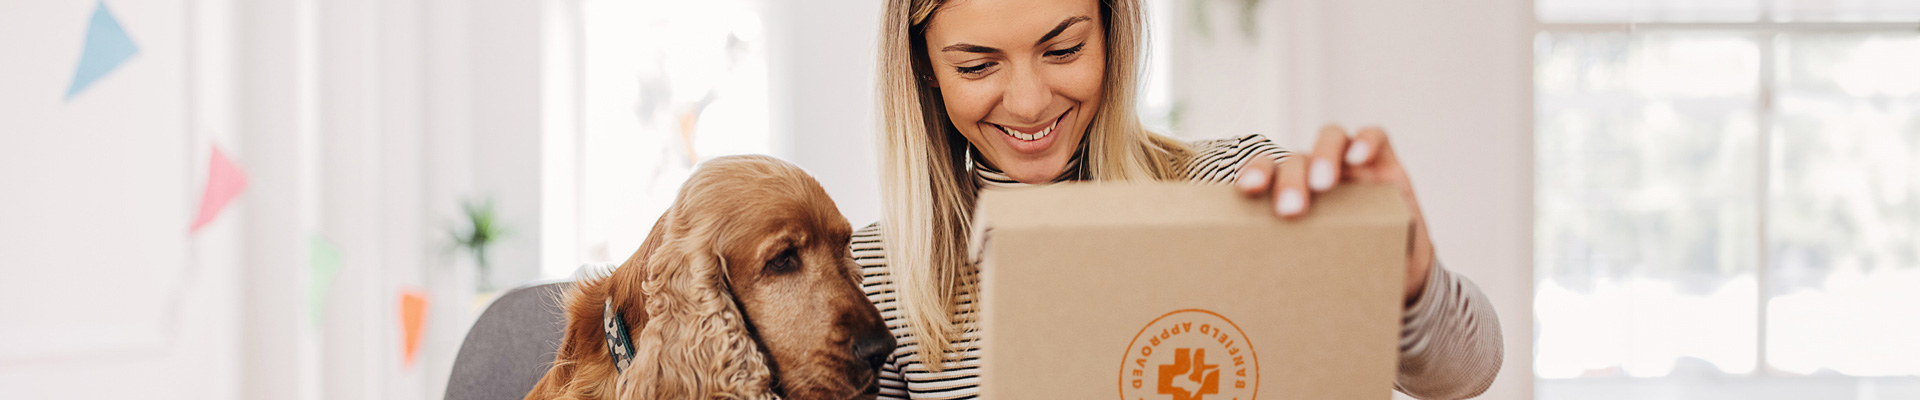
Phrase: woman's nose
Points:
(1027, 96)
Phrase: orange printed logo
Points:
(1190, 355)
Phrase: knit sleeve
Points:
(892, 386)
(1218, 161)
(1450, 343)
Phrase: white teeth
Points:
(1029, 136)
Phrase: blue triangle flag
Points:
(107, 47)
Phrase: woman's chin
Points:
(1039, 168)
(1033, 161)
(1035, 172)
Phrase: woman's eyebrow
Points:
(1057, 29)
(1062, 28)
(971, 48)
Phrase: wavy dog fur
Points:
(693, 339)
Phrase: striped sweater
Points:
(1450, 344)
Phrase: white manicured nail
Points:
(1322, 175)
(1252, 179)
(1291, 201)
(1357, 153)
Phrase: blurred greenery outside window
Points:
(1727, 199)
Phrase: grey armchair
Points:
(510, 346)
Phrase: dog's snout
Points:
(873, 347)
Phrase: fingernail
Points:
(1252, 179)
(1291, 201)
(1357, 153)
(1322, 175)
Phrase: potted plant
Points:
(480, 231)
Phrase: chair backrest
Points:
(511, 346)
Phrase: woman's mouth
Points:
(1031, 133)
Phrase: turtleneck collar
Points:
(989, 176)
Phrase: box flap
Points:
(1095, 204)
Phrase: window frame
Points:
(1763, 382)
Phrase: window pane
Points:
(1578, 11)
(1846, 10)
(665, 84)
(1646, 227)
(1843, 206)
(1694, 11)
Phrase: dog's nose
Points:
(873, 347)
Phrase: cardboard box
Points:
(1185, 292)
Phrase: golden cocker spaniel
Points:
(743, 290)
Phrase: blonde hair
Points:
(926, 191)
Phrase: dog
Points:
(745, 289)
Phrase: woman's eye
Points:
(971, 70)
(1064, 53)
(786, 261)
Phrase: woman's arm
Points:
(1450, 343)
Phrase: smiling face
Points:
(1021, 79)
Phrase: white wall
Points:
(1452, 84)
(362, 122)
(376, 119)
(505, 97)
(822, 57)
(274, 74)
(99, 275)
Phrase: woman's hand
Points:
(1337, 158)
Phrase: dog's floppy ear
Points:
(696, 344)
(625, 289)
(655, 237)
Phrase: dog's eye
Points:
(786, 261)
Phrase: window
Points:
(664, 85)
(1728, 199)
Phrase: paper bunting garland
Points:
(323, 262)
(107, 47)
(224, 182)
(413, 313)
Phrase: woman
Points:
(987, 93)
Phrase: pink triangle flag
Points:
(224, 182)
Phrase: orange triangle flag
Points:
(413, 313)
(224, 182)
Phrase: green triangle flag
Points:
(323, 262)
